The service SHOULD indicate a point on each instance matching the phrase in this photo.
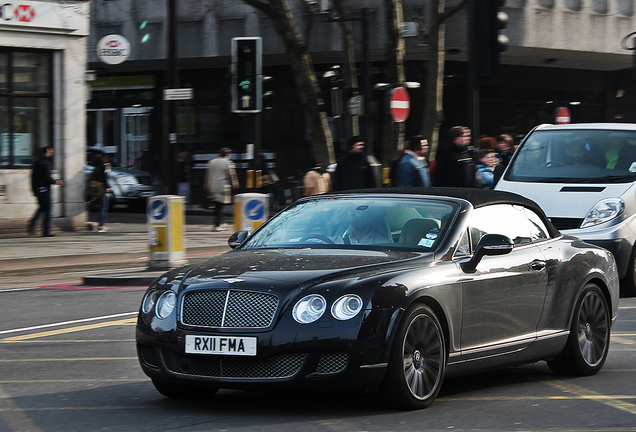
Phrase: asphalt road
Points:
(68, 363)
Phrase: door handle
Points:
(537, 265)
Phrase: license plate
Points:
(224, 345)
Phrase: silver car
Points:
(584, 178)
(130, 186)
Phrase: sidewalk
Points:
(125, 241)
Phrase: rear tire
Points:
(588, 344)
(183, 391)
(417, 360)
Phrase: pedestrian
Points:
(41, 181)
(354, 170)
(183, 175)
(316, 181)
(412, 168)
(455, 164)
(505, 149)
(98, 188)
(220, 178)
(485, 170)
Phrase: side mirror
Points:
(237, 238)
(490, 244)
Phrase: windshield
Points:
(364, 223)
(576, 156)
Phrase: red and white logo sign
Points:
(400, 104)
(113, 49)
(562, 115)
(24, 13)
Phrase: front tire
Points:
(588, 344)
(417, 360)
(183, 391)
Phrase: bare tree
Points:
(395, 50)
(434, 87)
(280, 14)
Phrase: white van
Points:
(584, 178)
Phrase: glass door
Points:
(135, 134)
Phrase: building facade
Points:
(561, 53)
(43, 94)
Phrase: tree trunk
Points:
(434, 93)
(393, 132)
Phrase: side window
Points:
(538, 230)
(505, 219)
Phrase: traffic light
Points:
(488, 41)
(246, 75)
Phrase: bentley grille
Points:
(229, 309)
(279, 367)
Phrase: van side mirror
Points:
(237, 239)
(490, 244)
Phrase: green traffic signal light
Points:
(246, 85)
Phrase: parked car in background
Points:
(130, 187)
(381, 290)
(584, 178)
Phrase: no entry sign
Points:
(400, 104)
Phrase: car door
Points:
(503, 299)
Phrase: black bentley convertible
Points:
(386, 290)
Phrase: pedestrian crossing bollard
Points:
(251, 210)
(166, 234)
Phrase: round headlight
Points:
(346, 307)
(166, 304)
(149, 301)
(604, 211)
(309, 309)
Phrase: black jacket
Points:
(455, 166)
(41, 179)
(353, 172)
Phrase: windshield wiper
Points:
(610, 178)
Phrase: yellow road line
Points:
(126, 321)
(583, 393)
(48, 341)
(74, 380)
(67, 359)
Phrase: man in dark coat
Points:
(41, 182)
(354, 170)
(455, 162)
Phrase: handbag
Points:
(95, 189)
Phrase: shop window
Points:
(573, 5)
(548, 4)
(25, 106)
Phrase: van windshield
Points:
(576, 156)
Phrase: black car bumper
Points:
(348, 356)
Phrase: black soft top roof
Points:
(476, 197)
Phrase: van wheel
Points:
(628, 283)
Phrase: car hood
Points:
(561, 200)
(286, 267)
